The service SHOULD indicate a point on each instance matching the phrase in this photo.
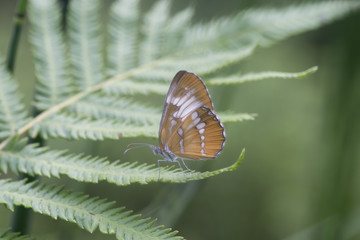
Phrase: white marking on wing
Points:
(182, 100)
(182, 150)
(201, 131)
(173, 123)
(202, 144)
(200, 125)
(190, 109)
(202, 138)
(180, 132)
(187, 103)
(194, 115)
(189, 93)
(196, 121)
(202, 152)
(175, 100)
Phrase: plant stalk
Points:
(21, 215)
(15, 35)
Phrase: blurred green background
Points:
(302, 151)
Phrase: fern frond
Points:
(123, 110)
(223, 40)
(7, 234)
(209, 61)
(236, 117)
(54, 84)
(153, 31)
(266, 25)
(155, 75)
(123, 36)
(85, 43)
(135, 87)
(115, 108)
(88, 213)
(260, 76)
(73, 126)
(78, 127)
(272, 25)
(161, 75)
(12, 110)
(175, 28)
(41, 161)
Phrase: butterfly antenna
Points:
(136, 145)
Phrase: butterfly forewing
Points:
(189, 126)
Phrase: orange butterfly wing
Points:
(189, 126)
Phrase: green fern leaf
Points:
(41, 161)
(200, 64)
(152, 31)
(131, 87)
(175, 28)
(260, 76)
(77, 127)
(266, 25)
(87, 213)
(236, 117)
(210, 47)
(123, 36)
(12, 110)
(54, 84)
(115, 108)
(211, 60)
(132, 125)
(6, 234)
(85, 43)
(272, 25)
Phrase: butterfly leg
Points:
(185, 165)
(161, 160)
(175, 160)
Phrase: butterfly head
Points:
(156, 149)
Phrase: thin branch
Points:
(21, 215)
(15, 36)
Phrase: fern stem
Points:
(15, 36)
(21, 215)
(20, 221)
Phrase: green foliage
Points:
(12, 113)
(153, 31)
(259, 76)
(85, 43)
(123, 36)
(6, 234)
(41, 161)
(88, 213)
(143, 54)
(50, 51)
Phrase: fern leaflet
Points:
(88, 213)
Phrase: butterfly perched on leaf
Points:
(189, 127)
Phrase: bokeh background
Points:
(301, 172)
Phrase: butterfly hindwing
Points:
(201, 136)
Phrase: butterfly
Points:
(189, 128)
